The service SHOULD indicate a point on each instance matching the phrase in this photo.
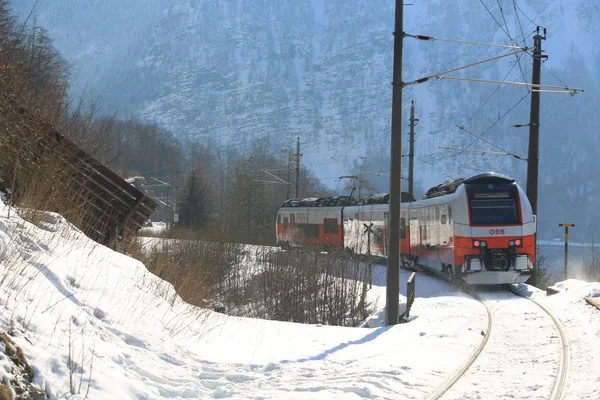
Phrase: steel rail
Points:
(458, 373)
(563, 368)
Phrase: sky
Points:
(98, 322)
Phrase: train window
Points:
(330, 226)
(494, 211)
(285, 223)
(494, 206)
(308, 230)
(443, 219)
(437, 213)
(449, 214)
(278, 219)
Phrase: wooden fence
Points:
(35, 157)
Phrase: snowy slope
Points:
(128, 335)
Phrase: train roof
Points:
(481, 179)
(383, 198)
(343, 201)
(489, 178)
(444, 189)
(332, 201)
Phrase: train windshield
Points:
(493, 204)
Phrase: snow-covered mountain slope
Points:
(230, 71)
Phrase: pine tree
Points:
(193, 210)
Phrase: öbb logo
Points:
(496, 231)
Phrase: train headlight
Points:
(516, 242)
(483, 244)
(476, 243)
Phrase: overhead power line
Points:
(442, 74)
(462, 128)
(482, 152)
(497, 120)
(495, 20)
(534, 87)
(525, 15)
(431, 38)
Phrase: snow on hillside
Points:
(96, 321)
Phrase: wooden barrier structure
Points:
(86, 192)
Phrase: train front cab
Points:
(494, 231)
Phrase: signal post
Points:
(565, 272)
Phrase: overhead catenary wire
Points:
(453, 87)
(496, 89)
(518, 57)
(431, 38)
(525, 15)
(439, 158)
(482, 152)
(494, 18)
(497, 126)
(482, 104)
(564, 89)
(462, 128)
(497, 120)
(442, 74)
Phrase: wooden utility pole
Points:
(411, 153)
(393, 257)
(298, 155)
(565, 271)
(534, 131)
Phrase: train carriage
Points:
(479, 229)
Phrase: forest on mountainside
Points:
(221, 192)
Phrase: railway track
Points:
(561, 380)
(493, 367)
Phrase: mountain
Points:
(230, 71)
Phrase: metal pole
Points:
(297, 167)
(287, 188)
(411, 153)
(565, 272)
(393, 265)
(167, 209)
(534, 131)
(593, 258)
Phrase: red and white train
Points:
(479, 229)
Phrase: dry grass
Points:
(300, 286)
(5, 392)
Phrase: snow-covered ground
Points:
(157, 228)
(96, 323)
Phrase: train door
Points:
(285, 227)
(293, 228)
